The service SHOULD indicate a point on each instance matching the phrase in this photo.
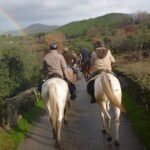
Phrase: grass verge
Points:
(10, 139)
(139, 118)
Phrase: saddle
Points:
(94, 75)
(91, 82)
(54, 75)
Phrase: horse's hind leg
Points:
(50, 119)
(107, 119)
(107, 107)
(65, 117)
(59, 125)
(68, 105)
(117, 123)
(54, 129)
(103, 122)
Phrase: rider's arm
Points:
(112, 58)
(64, 66)
(44, 67)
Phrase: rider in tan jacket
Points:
(101, 60)
(54, 65)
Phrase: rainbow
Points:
(12, 21)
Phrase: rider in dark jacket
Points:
(85, 59)
(101, 60)
(85, 55)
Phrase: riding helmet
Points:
(53, 45)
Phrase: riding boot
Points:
(72, 90)
(40, 83)
(93, 99)
(90, 90)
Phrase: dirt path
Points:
(83, 131)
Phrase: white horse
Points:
(108, 90)
(55, 92)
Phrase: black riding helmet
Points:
(53, 46)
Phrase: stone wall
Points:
(15, 106)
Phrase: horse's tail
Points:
(109, 92)
(53, 104)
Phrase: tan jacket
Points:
(69, 57)
(54, 62)
(102, 63)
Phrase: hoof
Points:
(59, 146)
(109, 139)
(54, 134)
(116, 142)
(103, 131)
(65, 122)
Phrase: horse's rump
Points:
(109, 85)
(59, 90)
(41, 81)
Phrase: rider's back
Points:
(54, 62)
(103, 63)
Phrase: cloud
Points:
(59, 12)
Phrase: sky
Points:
(15, 14)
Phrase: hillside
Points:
(79, 28)
(34, 28)
(120, 32)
